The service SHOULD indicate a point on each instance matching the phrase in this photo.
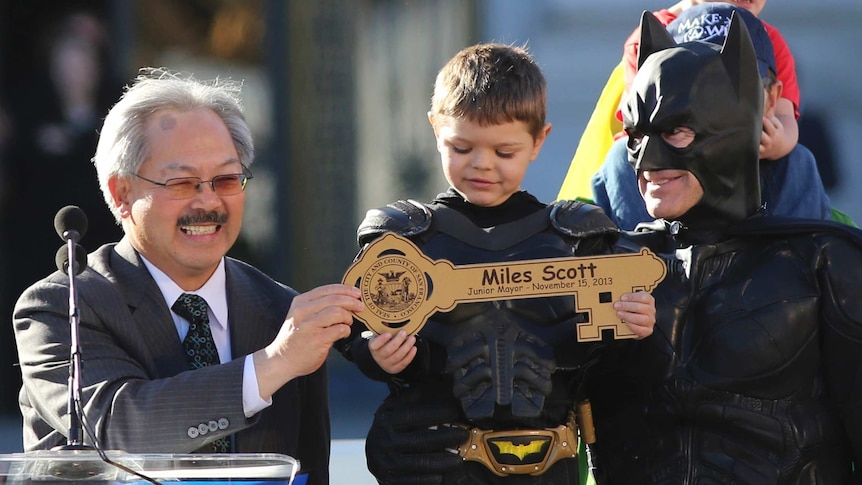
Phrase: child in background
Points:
(781, 130)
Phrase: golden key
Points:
(402, 288)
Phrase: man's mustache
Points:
(202, 218)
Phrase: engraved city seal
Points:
(393, 289)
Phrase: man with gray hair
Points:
(185, 349)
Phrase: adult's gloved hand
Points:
(410, 440)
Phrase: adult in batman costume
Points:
(753, 372)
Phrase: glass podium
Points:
(86, 466)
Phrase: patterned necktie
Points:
(199, 344)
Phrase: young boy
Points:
(498, 366)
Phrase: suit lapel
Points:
(150, 314)
(250, 313)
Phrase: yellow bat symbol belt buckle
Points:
(520, 452)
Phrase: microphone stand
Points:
(71, 224)
(76, 430)
(74, 470)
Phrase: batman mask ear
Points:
(654, 37)
(738, 55)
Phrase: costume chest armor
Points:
(507, 361)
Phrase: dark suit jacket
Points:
(138, 393)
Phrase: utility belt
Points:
(529, 451)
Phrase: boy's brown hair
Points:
(492, 84)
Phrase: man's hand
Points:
(637, 311)
(315, 320)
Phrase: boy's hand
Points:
(780, 133)
(393, 353)
(773, 131)
(637, 311)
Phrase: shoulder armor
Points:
(782, 225)
(403, 217)
(578, 219)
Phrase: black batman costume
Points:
(500, 365)
(754, 372)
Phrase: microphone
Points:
(61, 259)
(71, 225)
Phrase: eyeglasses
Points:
(188, 187)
